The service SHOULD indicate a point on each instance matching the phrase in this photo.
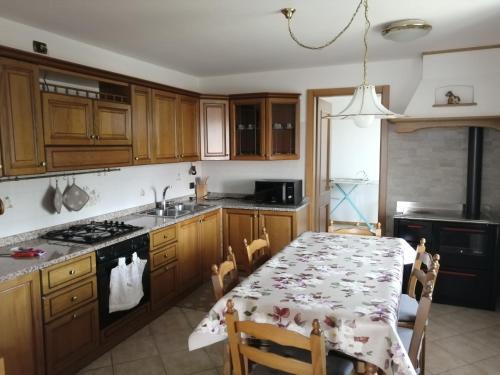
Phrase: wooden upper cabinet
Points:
(214, 129)
(112, 123)
(248, 132)
(21, 332)
(164, 127)
(67, 120)
(283, 130)
(265, 126)
(142, 125)
(188, 124)
(20, 119)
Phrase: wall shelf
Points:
(455, 105)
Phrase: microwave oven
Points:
(279, 191)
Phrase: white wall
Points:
(401, 75)
(32, 206)
(20, 36)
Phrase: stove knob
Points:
(122, 223)
(105, 222)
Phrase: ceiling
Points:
(217, 37)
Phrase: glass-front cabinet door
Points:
(248, 129)
(283, 128)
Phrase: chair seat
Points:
(407, 308)
(405, 336)
(335, 365)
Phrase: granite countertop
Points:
(450, 217)
(58, 251)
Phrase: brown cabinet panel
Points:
(20, 119)
(21, 337)
(163, 256)
(280, 227)
(60, 275)
(142, 125)
(68, 299)
(248, 129)
(210, 242)
(67, 120)
(188, 128)
(238, 225)
(164, 285)
(71, 338)
(163, 236)
(189, 254)
(283, 129)
(112, 123)
(71, 158)
(214, 129)
(164, 125)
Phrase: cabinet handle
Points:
(97, 137)
(136, 158)
(74, 298)
(92, 136)
(43, 164)
(72, 272)
(165, 255)
(1, 166)
(165, 236)
(75, 316)
(182, 155)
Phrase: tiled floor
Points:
(460, 341)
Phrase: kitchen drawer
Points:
(413, 231)
(71, 338)
(163, 286)
(163, 236)
(64, 274)
(69, 298)
(163, 256)
(465, 288)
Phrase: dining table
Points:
(351, 283)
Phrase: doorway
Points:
(346, 166)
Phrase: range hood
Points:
(472, 75)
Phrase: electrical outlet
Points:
(40, 47)
(191, 185)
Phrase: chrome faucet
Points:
(164, 202)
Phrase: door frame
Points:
(312, 151)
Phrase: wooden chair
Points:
(258, 252)
(408, 303)
(300, 355)
(225, 276)
(413, 339)
(358, 230)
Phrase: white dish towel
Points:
(125, 285)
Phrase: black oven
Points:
(279, 191)
(107, 259)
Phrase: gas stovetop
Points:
(93, 232)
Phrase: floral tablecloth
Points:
(351, 284)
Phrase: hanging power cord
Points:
(289, 17)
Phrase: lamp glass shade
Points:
(364, 107)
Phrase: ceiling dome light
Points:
(406, 30)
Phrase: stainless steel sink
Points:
(177, 210)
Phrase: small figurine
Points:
(452, 98)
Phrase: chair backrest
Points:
(258, 251)
(225, 276)
(420, 259)
(241, 352)
(357, 230)
(428, 280)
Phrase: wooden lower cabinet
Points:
(71, 338)
(189, 254)
(21, 338)
(210, 242)
(282, 226)
(163, 286)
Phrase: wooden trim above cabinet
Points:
(87, 157)
(265, 95)
(68, 66)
